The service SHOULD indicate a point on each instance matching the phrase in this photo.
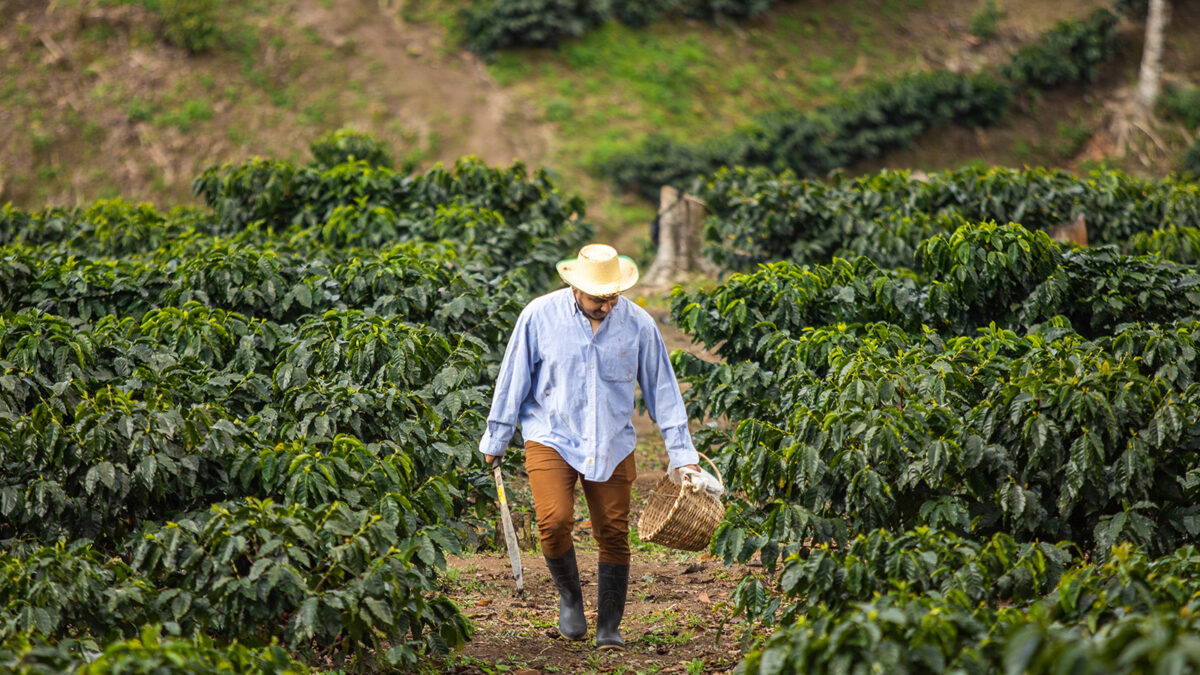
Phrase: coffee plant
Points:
(148, 652)
(347, 145)
(242, 436)
(909, 398)
(1070, 53)
(882, 116)
(760, 215)
(492, 25)
(254, 423)
(951, 443)
(1131, 614)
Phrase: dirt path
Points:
(672, 623)
(422, 85)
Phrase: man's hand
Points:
(702, 479)
(492, 460)
(677, 472)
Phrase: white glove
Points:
(701, 479)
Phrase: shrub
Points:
(152, 652)
(1069, 53)
(884, 115)
(1191, 160)
(985, 19)
(1177, 244)
(737, 9)
(346, 145)
(498, 24)
(638, 13)
(760, 215)
(1183, 103)
(190, 24)
(1135, 9)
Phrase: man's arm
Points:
(512, 385)
(660, 390)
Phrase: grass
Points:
(692, 80)
(40, 139)
(602, 94)
(187, 115)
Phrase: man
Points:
(568, 379)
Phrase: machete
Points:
(510, 536)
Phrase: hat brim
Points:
(570, 273)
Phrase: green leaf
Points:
(303, 295)
(425, 550)
(306, 618)
(104, 472)
(380, 610)
(259, 567)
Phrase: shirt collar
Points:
(573, 306)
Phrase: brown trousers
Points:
(552, 481)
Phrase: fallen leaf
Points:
(526, 671)
(693, 568)
(707, 556)
(483, 603)
(703, 597)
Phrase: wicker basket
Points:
(681, 517)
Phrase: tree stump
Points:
(680, 218)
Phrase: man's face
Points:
(593, 307)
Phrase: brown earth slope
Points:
(94, 103)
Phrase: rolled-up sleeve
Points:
(660, 390)
(512, 385)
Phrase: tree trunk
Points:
(680, 218)
(1150, 73)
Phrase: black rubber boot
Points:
(565, 572)
(613, 585)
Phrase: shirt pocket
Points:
(618, 361)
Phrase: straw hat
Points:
(599, 271)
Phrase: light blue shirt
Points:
(574, 391)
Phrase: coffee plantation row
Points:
(886, 114)
(237, 434)
(492, 25)
(759, 215)
(955, 445)
(243, 435)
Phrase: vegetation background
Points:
(100, 98)
(135, 98)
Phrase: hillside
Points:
(96, 104)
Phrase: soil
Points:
(674, 615)
(78, 71)
(94, 104)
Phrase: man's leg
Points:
(552, 482)
(608, 503)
